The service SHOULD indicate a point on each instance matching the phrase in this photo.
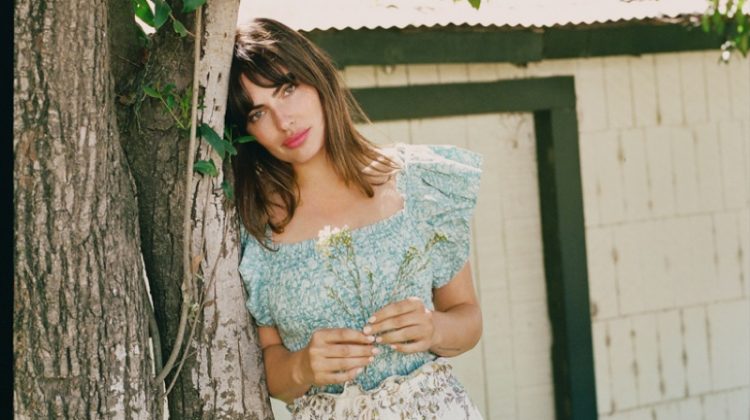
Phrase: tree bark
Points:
(80, 332)
(156, 150)
(222, 375)
(229, 365)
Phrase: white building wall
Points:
(665, 161)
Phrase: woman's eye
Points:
(290, 89)
(255, 116)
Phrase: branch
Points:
(186, 227)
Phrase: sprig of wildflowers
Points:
(336, 246)
(413, 262)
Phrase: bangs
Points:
(266, 71)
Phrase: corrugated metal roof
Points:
(307, 15)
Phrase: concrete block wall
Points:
(665, 165)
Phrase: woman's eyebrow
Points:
(273, 95)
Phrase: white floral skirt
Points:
(430, 392)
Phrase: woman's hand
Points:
(407, 326)
(336, 355)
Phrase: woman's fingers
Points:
(337, 365)
(405, 325)
(402, 317)
(415, 333)
(411, 347)
(396, 323)
(340, 335)
(396, 315)
(351, 350)
(333, 371)
(342, 376)
(336, 354)
(341, 343)
(395, 309)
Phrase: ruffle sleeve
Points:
(443, 182)
(254, 272)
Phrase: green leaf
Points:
(206, 167)
(744, 45)
(213, 139)
(143, 11)
(185, 100)
(190, 5)
(718, 22)
(148, 90)
(228, 190)
(179, 28)
(230, 148)
(245, 139)
(170, 101)
(742, 25)
(475, 3)
(161, 13)
(144, 40)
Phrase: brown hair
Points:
(271, 54)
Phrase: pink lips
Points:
(296, 140)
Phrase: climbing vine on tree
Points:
(179, 105)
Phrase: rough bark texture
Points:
(80, 334)
(222, 377)
(156, 150)
(229, 368)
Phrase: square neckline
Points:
(366, 229)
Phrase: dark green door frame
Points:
(552, 101)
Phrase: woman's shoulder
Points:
(418, 154)
(429, 160)
(440, 177)
(249, 245)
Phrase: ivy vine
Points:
(162, 12)
(224, 147)
(177, 104)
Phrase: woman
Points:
(355, 258)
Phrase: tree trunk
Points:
(80, 330)
(222, 375)
(229, 365)
(156, 150)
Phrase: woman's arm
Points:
(451, 329)
(457, 318)
(332, 356)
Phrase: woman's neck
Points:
(317, 176)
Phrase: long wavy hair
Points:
(271, 54)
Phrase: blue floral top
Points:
(305, 286)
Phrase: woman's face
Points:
(287, 120)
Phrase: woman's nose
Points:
(284, 121)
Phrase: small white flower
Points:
(328, 237)
(324, 233)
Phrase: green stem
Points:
(176, 119)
